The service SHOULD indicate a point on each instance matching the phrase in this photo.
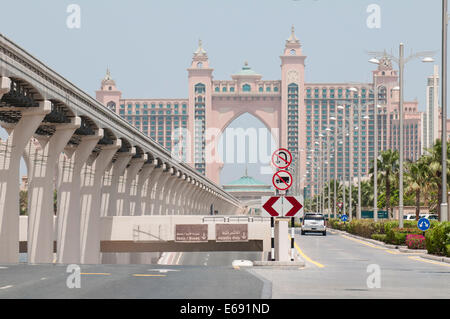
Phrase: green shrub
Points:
(397, 236)
(410, 224)
(389, 225)
(380, 237)
(337, 224)
(438, 239)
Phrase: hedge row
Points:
(437, 239)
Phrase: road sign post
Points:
(272, 238)
(292, 238)
(423, 224)
(282, 206)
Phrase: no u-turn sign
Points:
(281, 158)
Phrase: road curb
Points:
(281, 264)
(436, 258)
(412, 251)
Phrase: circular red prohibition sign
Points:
(284, 181)
(282, 156)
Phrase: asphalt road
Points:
(211, 259)
(129, 281)
(337, 266)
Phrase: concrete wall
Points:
(156, 233)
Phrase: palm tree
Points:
(387, 168)
(366, 193)
(433, 162)
(417, 179)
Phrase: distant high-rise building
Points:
(430, 118)
(305, 114)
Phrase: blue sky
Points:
(148, 44)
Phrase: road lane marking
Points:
(306, 257)
(163, 270)
(364, 243)
(393, 252)
(148, 275)
(179, 258)
(95, 273)
(6, 287)
(429, 261)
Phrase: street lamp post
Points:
(358, 211)
(401, 61)
(444, 206)
(375, 154)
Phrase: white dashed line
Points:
(6, 287)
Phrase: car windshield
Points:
(314, 217)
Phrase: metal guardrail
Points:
(234, 219)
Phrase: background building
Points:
(249, 191)
(302, 113)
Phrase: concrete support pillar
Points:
(5, 85)
(151, 189)
(202, 202)
(182, 200)
(152, 182)
(169, 193)
(159, 192)
(91, 193)
(175, 200)
(43, 154)
(70, 165)
(122, 199)
(192, 198)
(196, 200)
(131, 184)
(221, 207)
(113, 182)
(187, 197)
(10, 152)
(142, 188)
(216, 202)
(208, 202)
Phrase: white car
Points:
(314, 223)
(409, 217)
(429, 216)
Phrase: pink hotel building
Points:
(300, 111)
